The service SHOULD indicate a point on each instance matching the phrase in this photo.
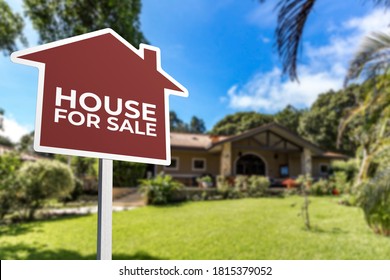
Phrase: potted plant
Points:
(205, 181)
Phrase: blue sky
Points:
(222, 51)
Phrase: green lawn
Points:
(265, 228)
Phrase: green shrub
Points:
(128, 174)
(322, 187)
(9, 165)
(159, 190)
(42, 180)
(241, 183)
(205, 181)
(258, 186)
(349, 167)
(341, 182)
(374, 199)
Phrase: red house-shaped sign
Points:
(98, 96)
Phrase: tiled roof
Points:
(190, 140)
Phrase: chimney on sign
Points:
(150, 57)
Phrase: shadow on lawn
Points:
(38, 252)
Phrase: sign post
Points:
(114, 97)
(104, 236)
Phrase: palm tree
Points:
(292, 17)
(372, 111)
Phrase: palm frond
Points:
(292, 16)
(372, 59)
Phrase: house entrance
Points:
(250, 165)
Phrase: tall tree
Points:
(373, 109)
(292, 17)
(289, 117)
(177, 125)
(240, 122)
(60, 19)
(320, 123)
(197, 125)
(11, 28)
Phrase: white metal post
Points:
(104, 242)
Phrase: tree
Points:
(5, 141)
(292, 17)
(240, 122)
(42, 180)
(11, 27)
(289, 117)
(9, 164)
(373, 108)
(320, 124)
(177, 125)
(197, 125)
(56, 20)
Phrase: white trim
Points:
(166, 167)
(255, 154)
(199, 169)
(15, 57)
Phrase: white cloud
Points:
(14, 130)
(324, 69)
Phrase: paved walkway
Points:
(127, 202)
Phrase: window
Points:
(284, 171)
(174, 164)
(324, 169)
(198, 164)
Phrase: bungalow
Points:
(270, 150)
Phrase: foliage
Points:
(26, 143)
(5, 141)
(240, 122)
(375, 202)
(320, 124)
(258, 186)
(9, 164)
(242, 186)
(289, 117)
(128, 173)
(11, 27)
(196, 124)
(349, 167)
(160, 189)
(42, 180)
(56, 20)
(322, 187)
(292, 17)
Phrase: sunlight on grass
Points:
(265, 228)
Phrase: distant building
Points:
(270, 150)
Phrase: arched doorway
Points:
(250, 165)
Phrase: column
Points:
(226, 159)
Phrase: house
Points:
(270, 150)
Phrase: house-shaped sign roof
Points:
(99, 96)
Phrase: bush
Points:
(258, 186)
(42, 180)
(349, 167)
(205, 181)
(159, 190)
(128, 174)
(374, 199)
(322, 187)
(9, 164)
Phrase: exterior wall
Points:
(317, 162)
(185, 173)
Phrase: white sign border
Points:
(15, 57)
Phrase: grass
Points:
(266, 228)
